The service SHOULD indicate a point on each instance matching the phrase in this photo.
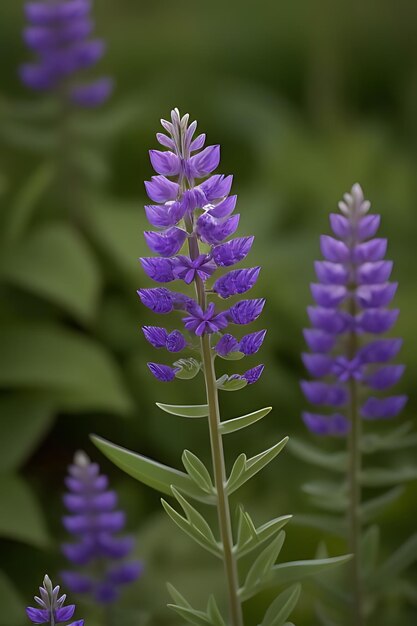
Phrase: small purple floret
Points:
(51, 609)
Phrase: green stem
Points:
(223, 507)
(354, 470)
(217, 453)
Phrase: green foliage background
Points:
(306, 98)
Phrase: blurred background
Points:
(305, 98)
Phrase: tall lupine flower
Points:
(201, 216)
(99, 551)
(58, 33)
(350, 364)
(51, 608)
(196, 245)
(349, 358)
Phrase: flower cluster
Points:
(58, 33)
(352, 306)
(52, 610)
(200, 214)
(94, 521)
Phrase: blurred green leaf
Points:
(77, 372)
(369, 550)
(335, 461)
(21, 518)
(395, 564)
(56, 263)
(26, 201)
(25, 420)
(385, 477)
(12, 606)
(375, 506)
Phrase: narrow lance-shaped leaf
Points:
(335, 461)
(256, 463)
(150, 472)
(183, 410)
(399, 561)
(197, 471)
(231, 426)
(282, 607)
(263, 533)
(213, 613)
(261, 568)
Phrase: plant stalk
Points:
(354, 470)
(217, 454)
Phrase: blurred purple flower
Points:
(58, 34)
(351, 298)
(99, 552)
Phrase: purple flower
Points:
(208, 321)
(353, 296)
(246, 311)
(226, 345)
(187, 269)
(254, 374)
(236, 282)
(198, 214)
(163, 373)
(58, 34)
(95, 522)
(51, 609)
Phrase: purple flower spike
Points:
(51, 609)
(58, 34)
(199, 215)
(353, 296)
(93, 520)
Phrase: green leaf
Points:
(238, 468)
(213, 613)
(177, 597)
(399, 561)
(188, 368)
(335, 461)
(194, 517)
(369, 550)
(37, 140)
(184, 410)
(191, 530)
(385, 477)
(21, 518)
(257, 463)
(374, 507)
(261, 568)
(231, 384)
(326, 523)
(151, 473)
(77, 372)
(26, 419)
(26, 202)
(282, 607)
(398, 438)
(246, 531)
(249, 537)
(294, 571)
(56, 263)
(190, 615)
(237, 423)
(197, 471)
(12, 605)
